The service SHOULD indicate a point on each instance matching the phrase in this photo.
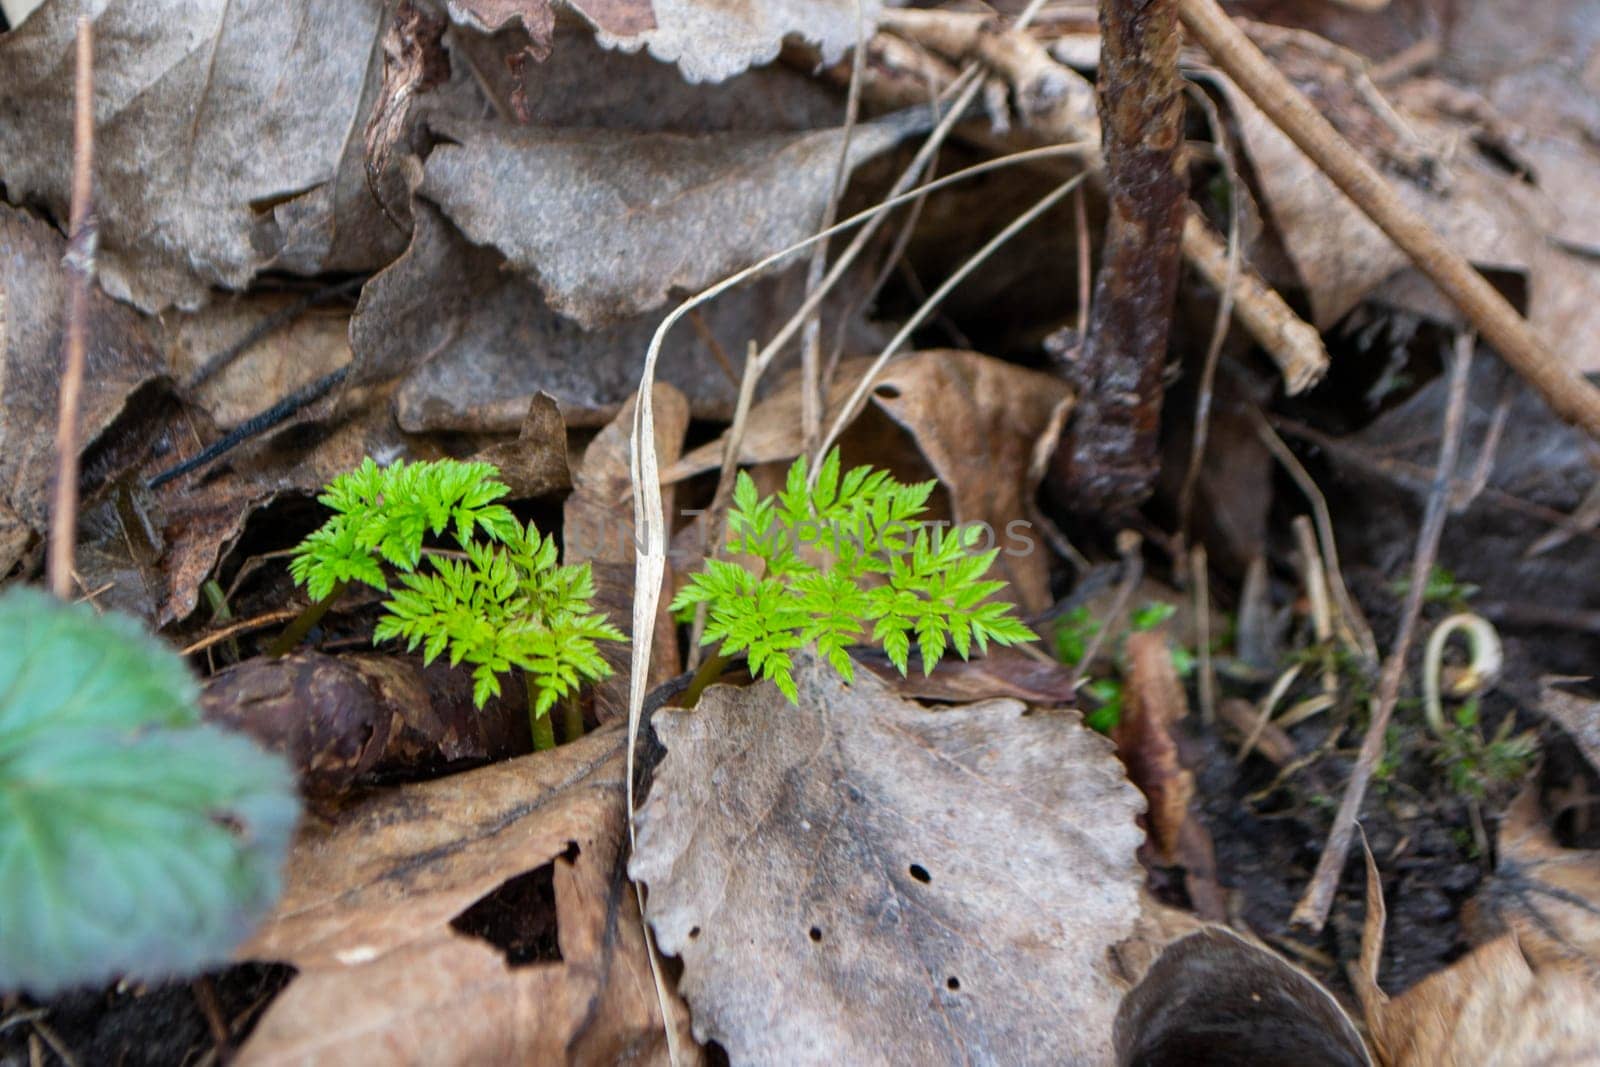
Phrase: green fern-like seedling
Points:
(841, 562)
(500, 602)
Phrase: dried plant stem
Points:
(1312, 910)
(1568, 393)
(859, 394)
(1128, 545)
(80, 272)
(813, 387)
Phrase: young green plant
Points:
(846, 560)
(499, 602)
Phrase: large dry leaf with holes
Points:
(228, 137)
(598, 528)
(611, 223)
(122, 357)
(862, 880)
(479, 918)
(1213, 997)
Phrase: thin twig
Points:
(1569, 394)
(268, 324)
(1219, 329)
(1359, 634)
(79, 263)
(812, 386)
(1312, 910)
(253, 426)
(1200, 582)
(258, 622)
(859, 394)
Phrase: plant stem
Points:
(296, 631)
(544, 731)
(572, 719)
(711, 669)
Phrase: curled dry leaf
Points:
(1213, 997)
(1000, 672)
(385, 916)
(475, 342)
(122, 358)
(343, 720)
(1578, 716)
(1546, 895)
(599, 528)
(711, 40)
(535, 464)
(623, 219)
(1502, 1004)
(1153, 703)
(227, 141)
(860, 880)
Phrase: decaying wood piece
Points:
(1107, 460)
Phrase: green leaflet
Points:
(506, 605)
(133, 837)
(844, 561)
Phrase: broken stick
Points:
(1568, 393)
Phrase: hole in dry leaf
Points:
(816, 933)
(694, 932)
(888, 392)
(952, 983)
(519, 918)
(920, 873)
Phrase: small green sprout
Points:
(1078, 629)
(136, 839)
(1442, 588)
(843, 561)
(500, 601)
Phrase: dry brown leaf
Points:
(1498, 1006)
(228, 138)
(122, 358)
(343, 719)
(1213, 997)
(1578, 716)
(624, 219)
(599, 528)
(976, 419)
(535, 464)
(372, 913)
(1491, 1009)
(1154, 701)
(475, 342)
(860, 880)
(711, 40)
(1545, 895)
(1000, 672)
(311, 345)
